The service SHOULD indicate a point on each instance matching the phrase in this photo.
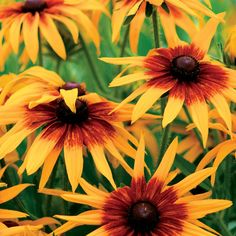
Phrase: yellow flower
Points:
(32, 17)
(186, 73)
(230, 34)
(71, 119)
(151, 207)
(180, 11)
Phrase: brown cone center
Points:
(143, 216)
(185, 68)
(65, 115)
(34, 6)
(73, 85)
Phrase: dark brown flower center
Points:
(34, 6)
(10, 224)
(143, 216)
(73, 85)
(65, 115)
(185, 68)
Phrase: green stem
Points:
(17, 199)
(40, 59)
(92, 66)
(155, 29)
(125, 40)
(195, 130)
(224, 228)
(164, 141)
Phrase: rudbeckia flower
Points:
(151, 207)
(72, 121)
(32, 17)
(180, 10)
(184, 72)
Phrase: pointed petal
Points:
(222, 107)
(70, 97)
(208, 31)
(30, 33)
(146, 101)
(167, 161)
(10, 193)
(101, 163)
(139, 160)
(172, 109)
(199, 113)
(51, 34)
(192, 181)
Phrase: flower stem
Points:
(40, 59)
(164, 141)
(92, 66)
(125, 40)
(155, 29)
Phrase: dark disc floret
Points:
(10, 223)
(185, 68)
(34, 6)
(65, 115)
(143, 216)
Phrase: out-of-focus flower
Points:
(180, 11)
(184, 72)
(230, 34)
(151, 207)
(33, 17)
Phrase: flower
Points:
(230, 34)
(185, 72)
(179, 10)
(29, 18)
(72, 121)
(147, 207)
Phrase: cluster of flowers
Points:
(63, 122)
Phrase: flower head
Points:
(151, 207)
(71, 120)
(186, 74)
(32, 17)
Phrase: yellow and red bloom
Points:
(179, 10)
(146, 208)
(186, 73)
(72, 121)
(32, 17)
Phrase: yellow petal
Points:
(208, 31)
(199, 209)
(51, 34)
(146, 101)
(70, 97)
(101, 163)
(167, 161)
(139, 160)
(30, 33)
(193, 180)
(73, 155)
(172, 109)
(10, 193)
(199, 113)
(10, 214)
(48, 166)
(222, 107)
